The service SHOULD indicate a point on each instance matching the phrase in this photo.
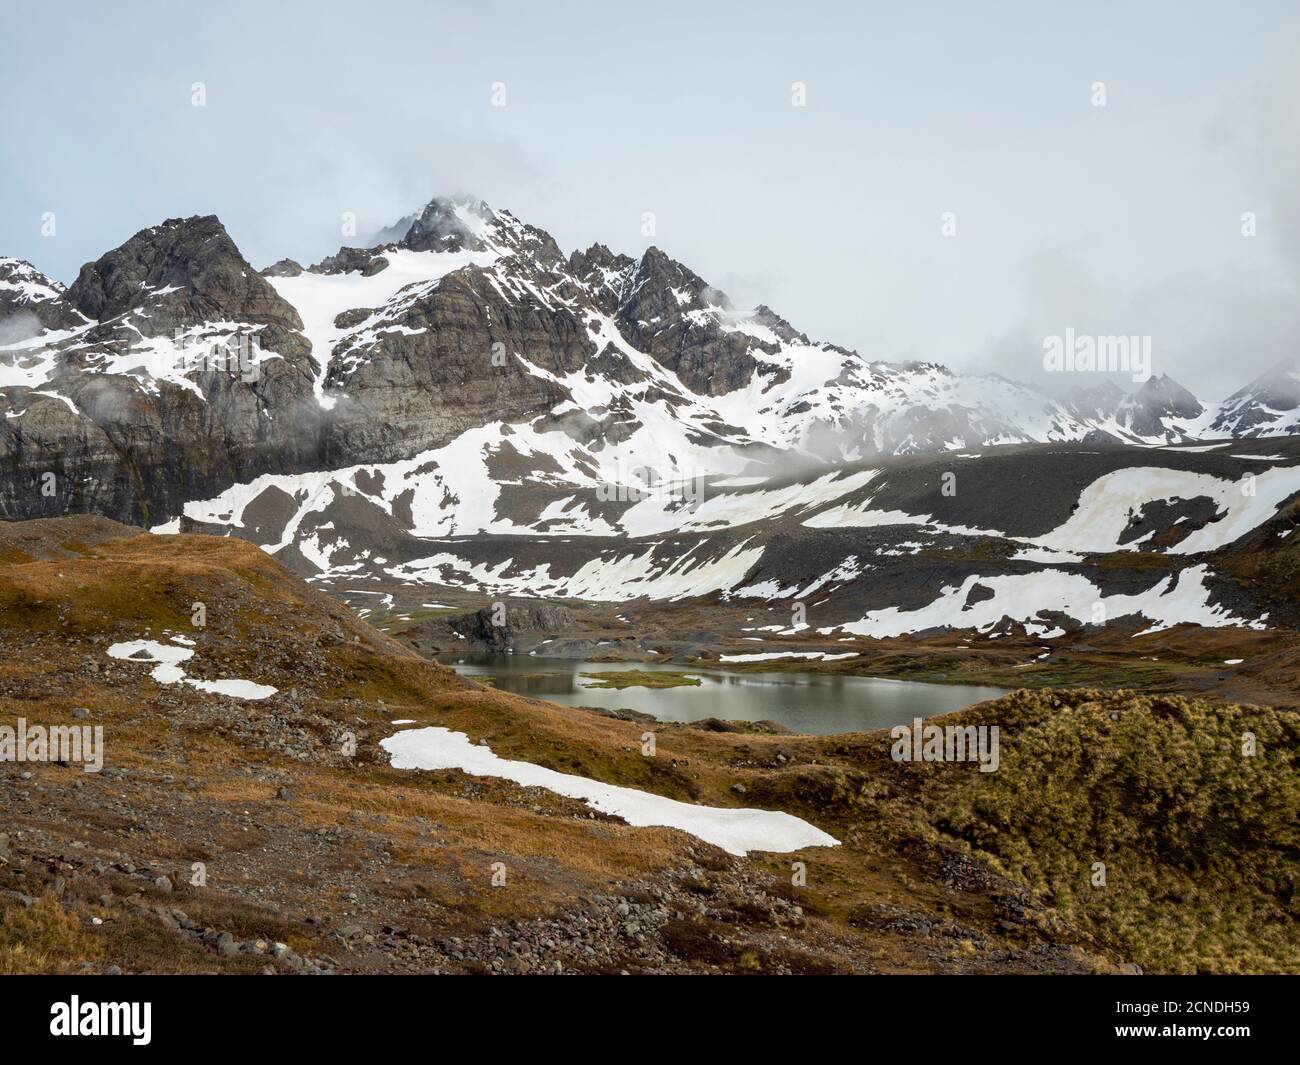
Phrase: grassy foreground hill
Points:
(231, 835)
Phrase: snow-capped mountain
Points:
(1268, 406)
(1160, 411)
(465, 378)
(470, 319)
(31, 305)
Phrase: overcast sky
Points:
(1119, 219)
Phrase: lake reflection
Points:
(805, 702)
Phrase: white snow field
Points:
(735, 831)
(166, 660)
(320, 298)
(771, 656)
(452, 492)
(1022, 597)
(1106, 505)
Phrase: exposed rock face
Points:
(483, 627)
(602, 272)
(444, 361)
(392, 234)
(135, 421)
(363, 261)
(1161, 409)
(283, 268)
(674, 315)
(185, 271)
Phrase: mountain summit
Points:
(1269, 405)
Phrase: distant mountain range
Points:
(470, 321)
(464, 405)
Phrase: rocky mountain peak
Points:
(182, 272)
(1279, 388)
(463, 223)
(660, 281)
(599, 255)
(603, 273)
(769, 319)
(449, 224)
(1161, 407)
(30, 302)
(21, 279)
(686, 325)
(1267, 404)
(283, 268)
(1164, 390)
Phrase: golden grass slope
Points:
(942, 868)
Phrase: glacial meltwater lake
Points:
(804, 702)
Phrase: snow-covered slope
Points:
(1044, 536)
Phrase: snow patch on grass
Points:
(735, 831)
(166, 660)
